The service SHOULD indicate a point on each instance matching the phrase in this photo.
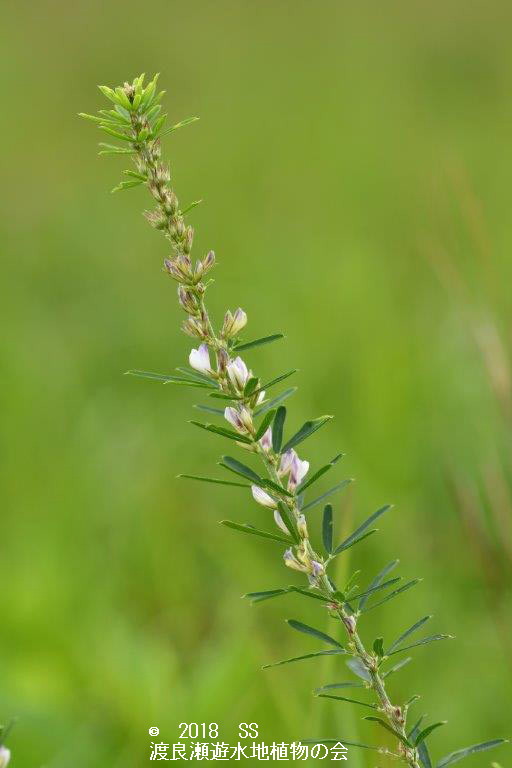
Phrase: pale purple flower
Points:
(266, 440)
(262, 497)
(280, 523)
(231, 414)
(200, 359)
(238, 373)
(286, 462)
(5, 756)
(298, 472)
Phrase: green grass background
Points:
(355, 161)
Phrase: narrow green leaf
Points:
(181, 124)
(111, 149)
(276, 400)
(378, 579)
(135, 175)
(307, 429)
(258, 597)
(397, 667)
(191, 207)
(396, 592)
(406, 634)
(344, 698)
(336, 686)
(427, 731)
(358, 668)
(208, 409)
(165, 378)
(424, 755)
(250, 386)
(307, 630)
(117, 134)
(277, 429)
(265, 424)
(309, 593)
(328, 493)
(318, 474)
(288, 520)
(239, 469)
(193, 374)
(339, 741)
(378, 647)
(454, 757)
(304, 657)
(327, 528)
(223, 396)
(266, 483)
(126, 185)
(258, 342)
(93, 118)
(377, 588)
(256, 532)
(425, 641)
(388, 727)
(223, 432)
(109, 93)
(213, 480)
(362, 528)
(272, 382)
(355, 541)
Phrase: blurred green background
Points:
(356, 163)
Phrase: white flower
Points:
(238, 373)
(200, 359)
(298, 472)
(266, 440)
(232, 415)
(5, 756)
(239, 321)
(262, 497)
(280, 523)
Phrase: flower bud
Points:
(156, 219)
(208, 261)
(262, 497)
(302, 527)
(239, 321)
(171, 269)
(187, 300)
(291, 561)
(188, 239)
(5, 756)
(194, 328)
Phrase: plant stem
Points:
(172, 222)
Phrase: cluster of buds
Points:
(233, 323)
(302, 562)
(182, 271)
